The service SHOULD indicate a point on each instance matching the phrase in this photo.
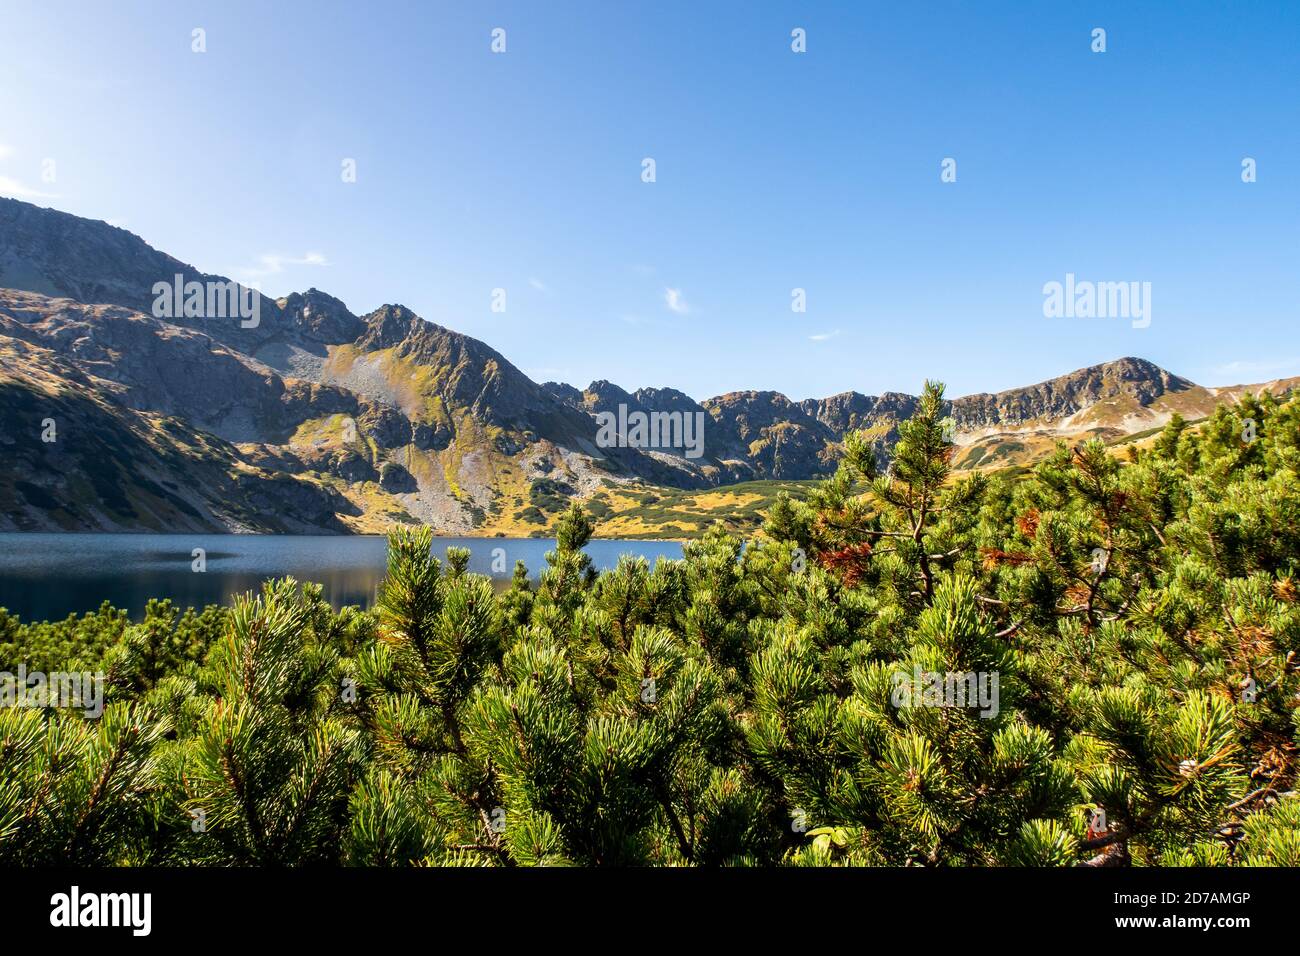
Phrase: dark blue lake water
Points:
(49, 576)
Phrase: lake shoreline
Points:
(45, 576)
(437, 535)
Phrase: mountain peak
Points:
(1137, 377)
(321, 316)
(388, 326)
(446, 426)
(61, 255)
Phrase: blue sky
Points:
(774, 170)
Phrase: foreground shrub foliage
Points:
(1135, 623)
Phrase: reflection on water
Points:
(49, 576)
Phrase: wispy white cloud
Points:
(16, 190)
(676, 302)
(538, 284)
(273, 263)
(1260, 369)
(823, 336)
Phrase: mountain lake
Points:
(49, 576)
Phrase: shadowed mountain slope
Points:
(315, 418)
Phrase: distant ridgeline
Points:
(137, 393)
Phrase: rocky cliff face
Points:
(65, 256)
(77, 458)
(463, 373)
(1133, 380)
(853, 411)
(386, 415)
(320, 419)
(776, 437)
(1130, 388)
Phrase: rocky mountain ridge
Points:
(318, 419)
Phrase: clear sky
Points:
(774, 171)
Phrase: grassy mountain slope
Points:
(318, 419)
